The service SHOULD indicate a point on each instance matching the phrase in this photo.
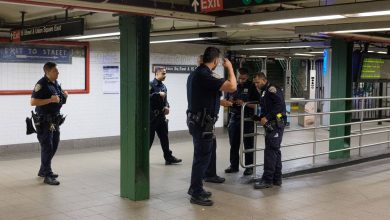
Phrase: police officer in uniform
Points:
(159, 107)
(211, 172)
(48, 97)
(273, 119)
(203, 94)
(246, 91)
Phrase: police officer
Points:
(273, 119)
(211, 172)
(203, 93)
(48, 97)
(159, 107)
(246, 91)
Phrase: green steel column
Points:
(134, 102)
(341, 87)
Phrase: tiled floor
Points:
(90, 190)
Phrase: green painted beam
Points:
(134, 104)
(341, 87)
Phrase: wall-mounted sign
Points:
(206, 6)
(313, 75)
(67, 28)
(15, 53)
(111, 80)
(175, 68)
(211, 5)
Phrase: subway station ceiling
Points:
(248, 28)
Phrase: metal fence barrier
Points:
(360, 133)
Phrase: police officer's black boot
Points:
(231, 170)
(201, 200)
(172, 160)
(248, 171)
(262, 185)
(277, 182)
(51, 181)
(204, 193)
(214, 179)
(54, 175)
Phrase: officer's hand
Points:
(55, 99)
(166, 110)
(162, 94)
(239, 102)
(227, 64)
(226, 103)
(263, 121)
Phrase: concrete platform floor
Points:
(90, 190)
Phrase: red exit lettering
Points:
(211, 5)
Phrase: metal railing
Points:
(360, 133)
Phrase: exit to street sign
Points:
(211, 5)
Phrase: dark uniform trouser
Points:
(212, 168)
(160, 126)
(49, 141)
(234, 129)
(203, 147)
(273, 157)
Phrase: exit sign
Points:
(211, 5)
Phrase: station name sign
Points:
(175, 68)
(63, 29)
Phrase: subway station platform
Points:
(331, 60)
(90, 189)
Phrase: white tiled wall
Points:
(97, 114)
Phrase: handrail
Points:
(337, 99)
(360, 133)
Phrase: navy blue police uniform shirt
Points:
(246, 92)
(203, 91)
(44, 89)
(156, 102)
(272, 102)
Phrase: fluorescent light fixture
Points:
(161, 39)
(296, 20)
(280, 46)
(380, 52)
(182, 40)
(369, 14)
(257, 56)
(360, 30)
(344, 27)
(316, 52)
(308, 14)
(94, 36)
(304, 54)
(276, 48)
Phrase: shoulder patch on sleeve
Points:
(37, 87)
(216, 75)
(272, 89)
